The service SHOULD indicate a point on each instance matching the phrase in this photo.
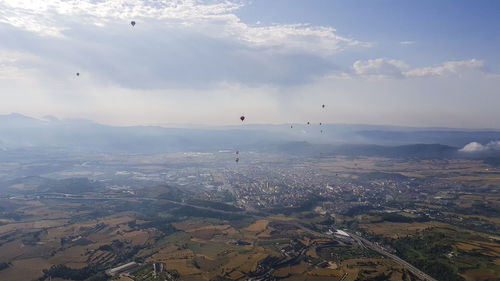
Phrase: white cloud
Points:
(383, 68)
(216, 19)
(380, 67)
(14, 63)
(477, 147)
(447, 68)
(407, 43)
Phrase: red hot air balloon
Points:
(242, 118)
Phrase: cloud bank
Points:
(383, 68)
(215, 18)
(175, 44)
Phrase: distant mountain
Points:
(421, 151)
(19, 132)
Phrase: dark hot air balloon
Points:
(132, 23)
(78, 74)
(242, 118)
(323, 106)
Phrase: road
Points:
(395, 258)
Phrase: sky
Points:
(422, 63)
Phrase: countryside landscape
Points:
(249, 140)
(286, 214)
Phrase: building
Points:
(121, 268)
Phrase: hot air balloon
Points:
(78, 74)
(242, 118)
(132, 23)
(323, 106)
(308, 123)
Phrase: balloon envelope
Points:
(132, 23)
(242, 118)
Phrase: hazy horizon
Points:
(242, 125)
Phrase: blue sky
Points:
(415, 63)
(440, 30)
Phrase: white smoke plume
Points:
(477, 147)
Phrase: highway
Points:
(395, 258)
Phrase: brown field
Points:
(492, 179)
(172, 253)
(194, 278)
(429, 206)
(477, 275)
(396, 230)
(490, 219)
(23, 270)
(206, 234)
(468, 169)
(486, 248)
(29, 258)
(139, 237)
(304, 271)
(30, 226)
(467, 247)
(312, 253)
(183, 266)
(74, 255)
(199, 227)
(245, 262)
(258, 226)
(472, 197)
(325, 272)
